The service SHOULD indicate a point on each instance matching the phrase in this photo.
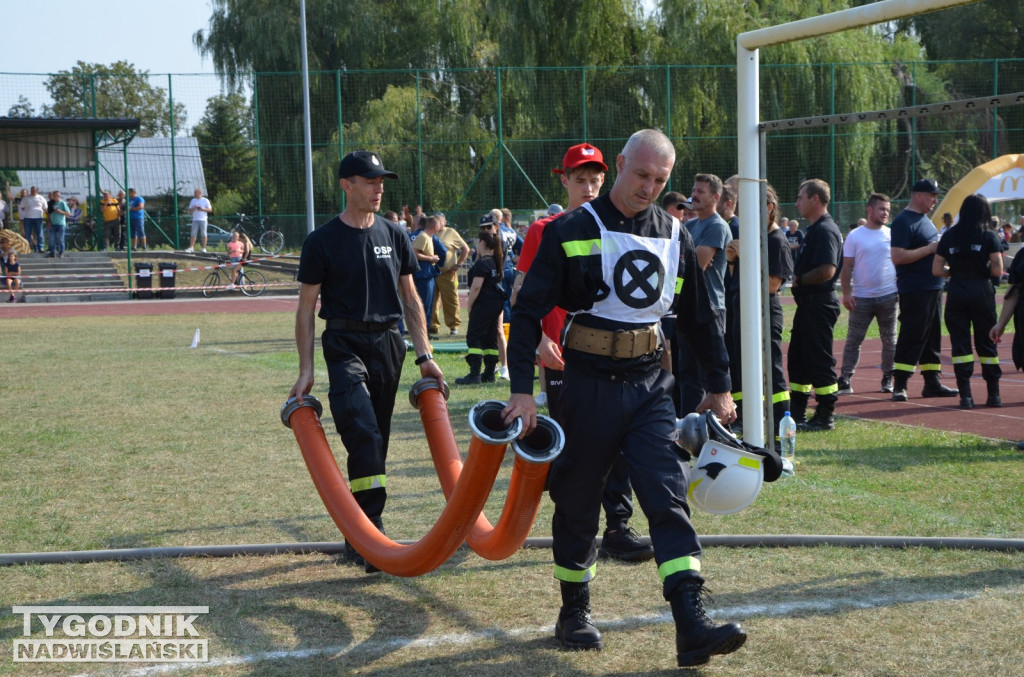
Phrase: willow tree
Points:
(353, 48)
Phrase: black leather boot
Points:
(899, 386)
(490, 362)
(963, 386)
(822, 419)
(574, 629)
(697, 637)
(934, 388)
(473, 376)
(993, 393)
(798, 406)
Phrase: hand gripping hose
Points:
(534, 455)
(423, 556)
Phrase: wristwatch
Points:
(425, 357)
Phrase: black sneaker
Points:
(899, 395)
(844, 387)
(624, 545)
(887, 384)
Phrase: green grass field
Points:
(116, 434)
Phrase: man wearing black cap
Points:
(914, 239)
(360, 267)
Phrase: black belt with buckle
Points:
(344, 324)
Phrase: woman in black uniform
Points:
(484, 304)
(971, 256)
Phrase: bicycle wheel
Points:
(252, 282)
(83, 241)
(211, 284)
(271, 242)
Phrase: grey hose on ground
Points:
(335, 548)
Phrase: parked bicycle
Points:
(84, 234)
(249, 282)
(271, 241)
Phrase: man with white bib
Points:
(617, 266)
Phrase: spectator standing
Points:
(869, 291)
(484, 303)
(780, 268)
(617, 399)
(1012, 307)
(914, 241)
(711, 235)
(32, 208)
(430, 253)
(795, 237)
(111, 219)
(975, 258)
(3, 213)
(446, 285)
(137, 218)
(359, 266)
(200, 208)
(582, 174)
(122, 221)
(811, 363)
(58, 225)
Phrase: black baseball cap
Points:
(487, 220)
(365, 164)
(926, 186)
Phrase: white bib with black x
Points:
(640, 273)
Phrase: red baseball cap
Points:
(581, 154)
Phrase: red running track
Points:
(865, 402)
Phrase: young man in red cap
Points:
(358, 264)
(582, 175)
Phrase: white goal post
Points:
(748, 143)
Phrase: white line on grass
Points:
(462, 638)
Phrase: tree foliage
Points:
(115, 91)
(472, 99)
(225, 135)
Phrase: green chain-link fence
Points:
(464, 141)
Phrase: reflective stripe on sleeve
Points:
(582, 247)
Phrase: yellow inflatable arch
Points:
(999, 180)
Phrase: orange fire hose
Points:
(444, 538)
(529, 471)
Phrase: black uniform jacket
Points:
(567, 272)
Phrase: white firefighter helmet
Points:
(725, 479)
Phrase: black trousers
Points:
(812, 366)
(634, 418)
(920, 337)
(482, 335)
(364, 370)
(972, 304)
(617, 499)
(780, 389)
(692, 379)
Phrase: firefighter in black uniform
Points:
(975, 257)
(811, 362)
(780, 267)
(914, 240)
(358, 264)
(615, 264)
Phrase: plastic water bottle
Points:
(787, 444)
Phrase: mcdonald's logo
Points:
(1014, 179)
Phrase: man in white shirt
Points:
(869, 291)
(32, 209)
(200, 208)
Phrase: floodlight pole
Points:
(752, 231)
(306, 131)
